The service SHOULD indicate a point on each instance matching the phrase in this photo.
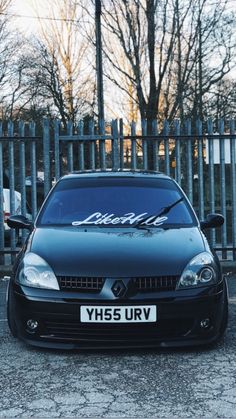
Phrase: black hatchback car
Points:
(117, 259)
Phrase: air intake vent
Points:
(80, 284)
(155, 283)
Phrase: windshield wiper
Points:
(164, 211)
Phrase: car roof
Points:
(116, 174)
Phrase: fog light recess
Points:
(32, 325)
(205, 323)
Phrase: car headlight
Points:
(35, 272)
(200, 271)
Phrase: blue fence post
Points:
(155, 145)
(80, 129)
(166, 147)
(46, 156)
(21, 131)
(211, 178)
(121, 136)
(69, 131)
(222, 186)
(33, 170)
(188, 128)
(144, 144)
(115, 146)
(10, 132)
(177, 151)
(200, 170)
(1, 201)
(233, 183)
(102, 145)
(92, 146)
(133, 147)
(57, 156)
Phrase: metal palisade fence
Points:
(201, 157)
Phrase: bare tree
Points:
(146, 32)
(176, 51)
(213, 55)
(61, 67)
(221, 101)
(134, 25)
(9, 48)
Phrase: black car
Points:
(117, 259)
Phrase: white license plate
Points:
(118, 314)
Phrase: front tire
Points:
(225, 316)
(11, 311)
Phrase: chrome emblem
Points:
(119, 289)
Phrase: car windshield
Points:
(115, 202)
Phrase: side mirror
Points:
(19, 221)
(212, 221)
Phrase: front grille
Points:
(135, 285)
(77, 283)
(155, 284)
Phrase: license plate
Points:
(118, 314)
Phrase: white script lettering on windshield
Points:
(97, 218)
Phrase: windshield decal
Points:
(97, 218)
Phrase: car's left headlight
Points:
(200, 271)
(35, 272)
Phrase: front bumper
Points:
(179, 317)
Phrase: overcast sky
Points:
(26, 16)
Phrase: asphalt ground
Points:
(132, 384)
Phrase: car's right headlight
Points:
(35, 272)
(200, 271)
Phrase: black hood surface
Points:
(117, 252)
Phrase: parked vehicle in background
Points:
(39, 188)
(7, 211)
(39, 181)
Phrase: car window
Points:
(106, 202)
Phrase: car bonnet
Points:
(117, 252)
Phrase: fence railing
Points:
(201, 159)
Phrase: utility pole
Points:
(200, 98)
(179, 46)
(99, 71)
